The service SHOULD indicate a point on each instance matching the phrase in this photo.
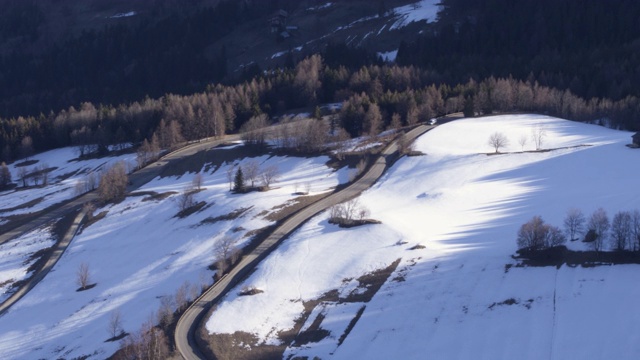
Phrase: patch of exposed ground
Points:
(246, 346)
(210, 160)
(280, 212)
(235, 214)
(152, 195)
(191, 210)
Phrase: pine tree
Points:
(238, 184)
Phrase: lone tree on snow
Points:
(82, 276)
(238, 182)
(498, 140)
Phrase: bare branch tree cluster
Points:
(348, 212)
(249, 174)
(226, 253)
(113, 183)
(498, 140)
(536, 235)
(620, 234)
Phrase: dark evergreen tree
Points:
(238, 182)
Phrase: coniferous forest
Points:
(110, 85)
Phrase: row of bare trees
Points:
(498, 140)
(622, 233)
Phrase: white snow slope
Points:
(62, 180)
(138, 254)
(465, 208)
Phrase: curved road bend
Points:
(190, 320)
(137, 179)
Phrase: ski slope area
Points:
(140, 253)
(452, 297)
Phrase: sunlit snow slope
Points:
(450, 300)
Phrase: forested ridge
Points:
(554, 57)
(589, 47)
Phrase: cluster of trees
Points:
(348, 213)
(249, 175)
(586, 48)
(622, 233)
(374, 98)
(113, 183)
(151, 340)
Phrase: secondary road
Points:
(191, 318)
(137, 179)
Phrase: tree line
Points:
(373, 98)
(589, 48)
(598, 231)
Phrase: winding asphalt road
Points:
(191, 318)
(137, 179)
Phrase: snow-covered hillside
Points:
(452, 297)
(140, 253)
(66, 171)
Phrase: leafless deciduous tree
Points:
(23, 175)
(348, 212)
(599, 225)
(251, 170)
(197, 181)
(114, 327)
(268, 175)
(498, 140)
(253, 131)
(113, 183)
(148, 343)
(536, 235)
(83, 276)
(621, 231)
(574, 223)
(182, 296)
(538, 133)
(522, 141)
(165, 312)
(186, 199)
(404, 145)
(226, 253)
(231, 171)
(635, 230)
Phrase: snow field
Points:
(457, 300)
(138, 254)
(57, 190)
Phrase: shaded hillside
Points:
(589, 47)
(54, 55)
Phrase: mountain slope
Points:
(453, 297)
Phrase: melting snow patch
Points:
(121, 15)
(320, 7)
(389, 56)
(419, 11)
